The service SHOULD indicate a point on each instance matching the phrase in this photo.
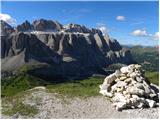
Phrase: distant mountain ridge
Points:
(54, 26)
(71, 50)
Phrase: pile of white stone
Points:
(128, 88)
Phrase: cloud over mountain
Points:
(7, 18)
(103, 28)
(139, 33)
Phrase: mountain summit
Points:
(70, 50)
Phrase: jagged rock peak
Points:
(26, 26)
(76, 28)
(46, 25)
(81, 29)
(54, 26)
(5, 28)
(39, 25)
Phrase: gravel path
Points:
(51, 106)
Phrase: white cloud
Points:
(143, 33)
(156, 36)
(7, 18)
(103, 28)
(139, 33)
(120, 18)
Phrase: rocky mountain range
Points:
(61, 50)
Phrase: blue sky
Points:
(129, 22)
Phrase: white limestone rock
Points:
(135, 91)
(128, 88)
(133, 75)
(125, 70)
(119, 97)
(114, 87)
(128, 80)
(117, 73)
(121, 84)
(120, 105)
(122, 78)
(151, 103)
(139, 79)
(137, 66)
(139, 86)
(109, 79)
(105, 93)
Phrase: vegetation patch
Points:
(78, 88)
(15, 105)
(15, 84)
(22, 109)
(29, 67)
(153, 77)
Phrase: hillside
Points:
(148, 57)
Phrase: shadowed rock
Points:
(68, 51)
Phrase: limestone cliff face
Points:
(66, 50)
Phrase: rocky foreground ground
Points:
(50, 105)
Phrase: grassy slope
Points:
(81, 88)
(153, 77)
(85, 87)
(14, 104)
(14, 92)
(148, 57)
(13, 85)
(22, 109)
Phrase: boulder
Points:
(105, 93)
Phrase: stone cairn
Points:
(128, 88)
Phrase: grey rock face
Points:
(46, 25)
(66, 53)
(81, 29)
(5, 28)
(40, 25)
(26, 26)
